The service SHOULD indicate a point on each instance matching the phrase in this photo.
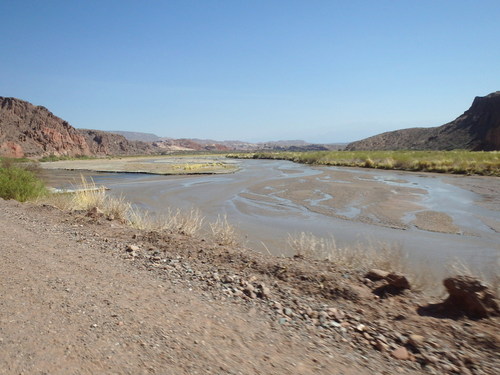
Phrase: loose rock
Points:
(416, 340)
(398, 281)
(401, 353)
(132, 248)
(376, 274)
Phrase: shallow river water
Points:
(268, 200)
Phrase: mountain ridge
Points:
(477, 129)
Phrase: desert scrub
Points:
(458, 161)
(18, 182)
(381, 255)
(53, 157)
(176, 221)
(223, 232)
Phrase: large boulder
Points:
(470, 296)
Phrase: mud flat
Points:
(166, 165)
(433, 218)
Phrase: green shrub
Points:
(53, 157)
(20, 184)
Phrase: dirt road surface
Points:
(68, 306)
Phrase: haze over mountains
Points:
(33, 131)
(210, 144)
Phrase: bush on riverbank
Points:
(19, 182)
(458, 162)
(53, 157)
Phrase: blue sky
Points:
(322, 71)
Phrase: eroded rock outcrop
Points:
(28, 130)
(104, 143)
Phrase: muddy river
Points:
(435, 219)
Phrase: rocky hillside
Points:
(29, 130)
(477, 129)
(104, 143)
(137, 136)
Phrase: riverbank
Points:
(455, 162)
(94, 295)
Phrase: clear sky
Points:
(322, 71)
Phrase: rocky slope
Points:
(477, 129)
(104, 143)
(29, 130)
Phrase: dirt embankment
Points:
(84, 295)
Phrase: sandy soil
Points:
(435, 222)
(84, 295)
(344, 195)
(166, 165)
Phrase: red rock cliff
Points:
(28, 130)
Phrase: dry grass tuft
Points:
(178, 221)
(223, 232)
(62, 201)
(183, 222)
(381, 255)
(141, 220)
(384, 256)
(89, 196)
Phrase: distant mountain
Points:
(477, 129)
(196, 144)
(34, 131)
(209, 144)
(28, 130)
(137, 136)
